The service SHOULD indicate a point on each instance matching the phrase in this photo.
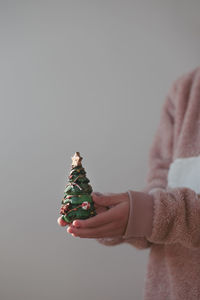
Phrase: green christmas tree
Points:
(77, 202)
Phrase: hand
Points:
(110, 222)
(99, 209)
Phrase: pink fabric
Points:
(167, 219)
(141, 204)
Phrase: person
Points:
(165, 215)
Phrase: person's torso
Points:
(184, 171)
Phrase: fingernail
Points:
(76, 224)
(69, 229)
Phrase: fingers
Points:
(108, 230)
(97, 193)
(61, 222)
(103, 218)
(100, 209)
(109, 198)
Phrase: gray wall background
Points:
(88, 76)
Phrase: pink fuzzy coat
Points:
(165, 216)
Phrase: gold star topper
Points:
(76, 159)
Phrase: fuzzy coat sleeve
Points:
(140, 219)
(165, 215)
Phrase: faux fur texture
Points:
(170, 202)
(185, 172)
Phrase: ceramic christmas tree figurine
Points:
(77, 202)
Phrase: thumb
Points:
(109, 198)
(96, 193)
